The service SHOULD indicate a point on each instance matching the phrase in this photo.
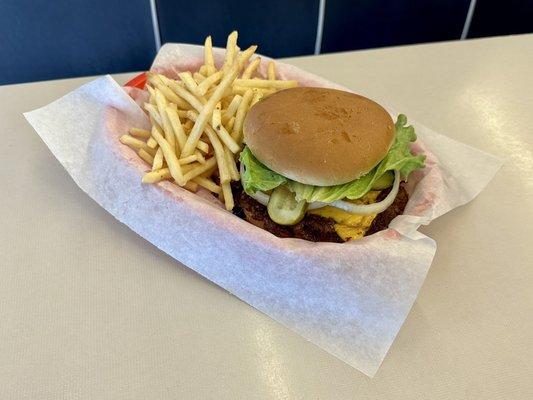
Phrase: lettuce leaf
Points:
(258, 177)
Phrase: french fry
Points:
(153, 113)
(170, 95)
(271, 71)
(265, 83)
(218, 148)
(177, 128)
(207, 183)
(198, 77)
(245, 55)
(216, 118)
(197, 121)
(204, 86)
(232, 166)
(231, 50)
(146, 156)
(199, 156)
(230, 124)
(190, 84)
(203, 146)
(168, 129)
(193, 173)
(157, 162)
(241, 113)
(140, 133)
(134, 143)
(170, 156)
(161, 103)
(205, 114)
(184, 94)
(156, 176)
(251, 68)
(151, 143)
(228, 196)
(232, 108)
(258, 95)
(152, 94)
(219, 131)
(188, 160)
(203, 70)
(240, 90)
(209, 61)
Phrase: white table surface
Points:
(89, 310)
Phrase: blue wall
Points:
(49, 39)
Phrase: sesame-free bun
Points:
(318, 136)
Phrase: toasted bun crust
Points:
(318, 136)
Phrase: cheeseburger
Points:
(323, 165)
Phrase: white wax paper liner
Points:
(349, 299)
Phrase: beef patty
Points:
(312, 227)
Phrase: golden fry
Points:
(258, 95)
(228, 196)
(146, 156)
(170, 95)
(157, 162)
(153, 113)
(232, 108)
(209, 61)
(207, 110)
(188, 160)
(245, 56)
(216, 119)
(265, 83)
(203, 146)
(218, 148)
(251, 68)
(156, 176)
(207, 183)
(170, 157)
(140, 133)
(231, 50)
(184, 94)
(232, 166)
(190, 84)
(161, 103)
(177, 128)
(241, 113)
(204, 86)
(271, 71)
(151, 143)
(240, 90)
(170, 136)
(134, 143)
(199, 156)
(200, 169)
(198, 77)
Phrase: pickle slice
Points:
(283, 208)
(384, 181)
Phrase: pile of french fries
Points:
(196, 121)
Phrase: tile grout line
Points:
(468, 20)
(155, 25)
(320, 26)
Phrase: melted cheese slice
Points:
(350, 226)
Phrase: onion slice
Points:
(374, 208)
(360, 209)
